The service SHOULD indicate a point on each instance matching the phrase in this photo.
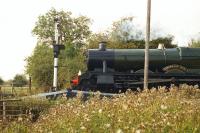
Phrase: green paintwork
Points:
(133, 59)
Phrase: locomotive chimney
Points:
(102, 46)
(161, 46)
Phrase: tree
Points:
(167, 41)
(40, 66)
(195, 43)
(1, 81)
(74, 31)
(95, 38)
(124, 30)
(124, 35)
(19, 80)
(69, 67)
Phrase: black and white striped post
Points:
(56, 49)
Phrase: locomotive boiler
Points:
(111, 70)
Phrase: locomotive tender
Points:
(111, 70)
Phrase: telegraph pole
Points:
(147, 39)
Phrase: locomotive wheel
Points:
(85, 85)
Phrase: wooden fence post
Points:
(29, 85)
(12, 88)
(4, 110)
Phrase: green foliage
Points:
(195, 43)
(124, 35)
(16, 127)
(93, 42)
(1, 81)
(69, 66)
(73, 32)
(167, 41)
(94, 39)
(20, 80)
(124, 30)
(40, 66)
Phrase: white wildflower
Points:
(138, 131)
(68, 105)
(20, 118)
(83, 128)
(125, 106)
(133, 130)
(119, 131)
(163, 107)
(100, 111)
(107, 125)
(126, 127)
(139, 99)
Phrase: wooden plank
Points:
(14, 110)
(15, 115)
(10, 100)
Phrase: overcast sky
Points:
(180, 18)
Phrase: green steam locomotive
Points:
(111, 70)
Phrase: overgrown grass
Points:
(20, 91)
(157, 110)
(26, 111)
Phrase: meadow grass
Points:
(20, 91)
(156, 110)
